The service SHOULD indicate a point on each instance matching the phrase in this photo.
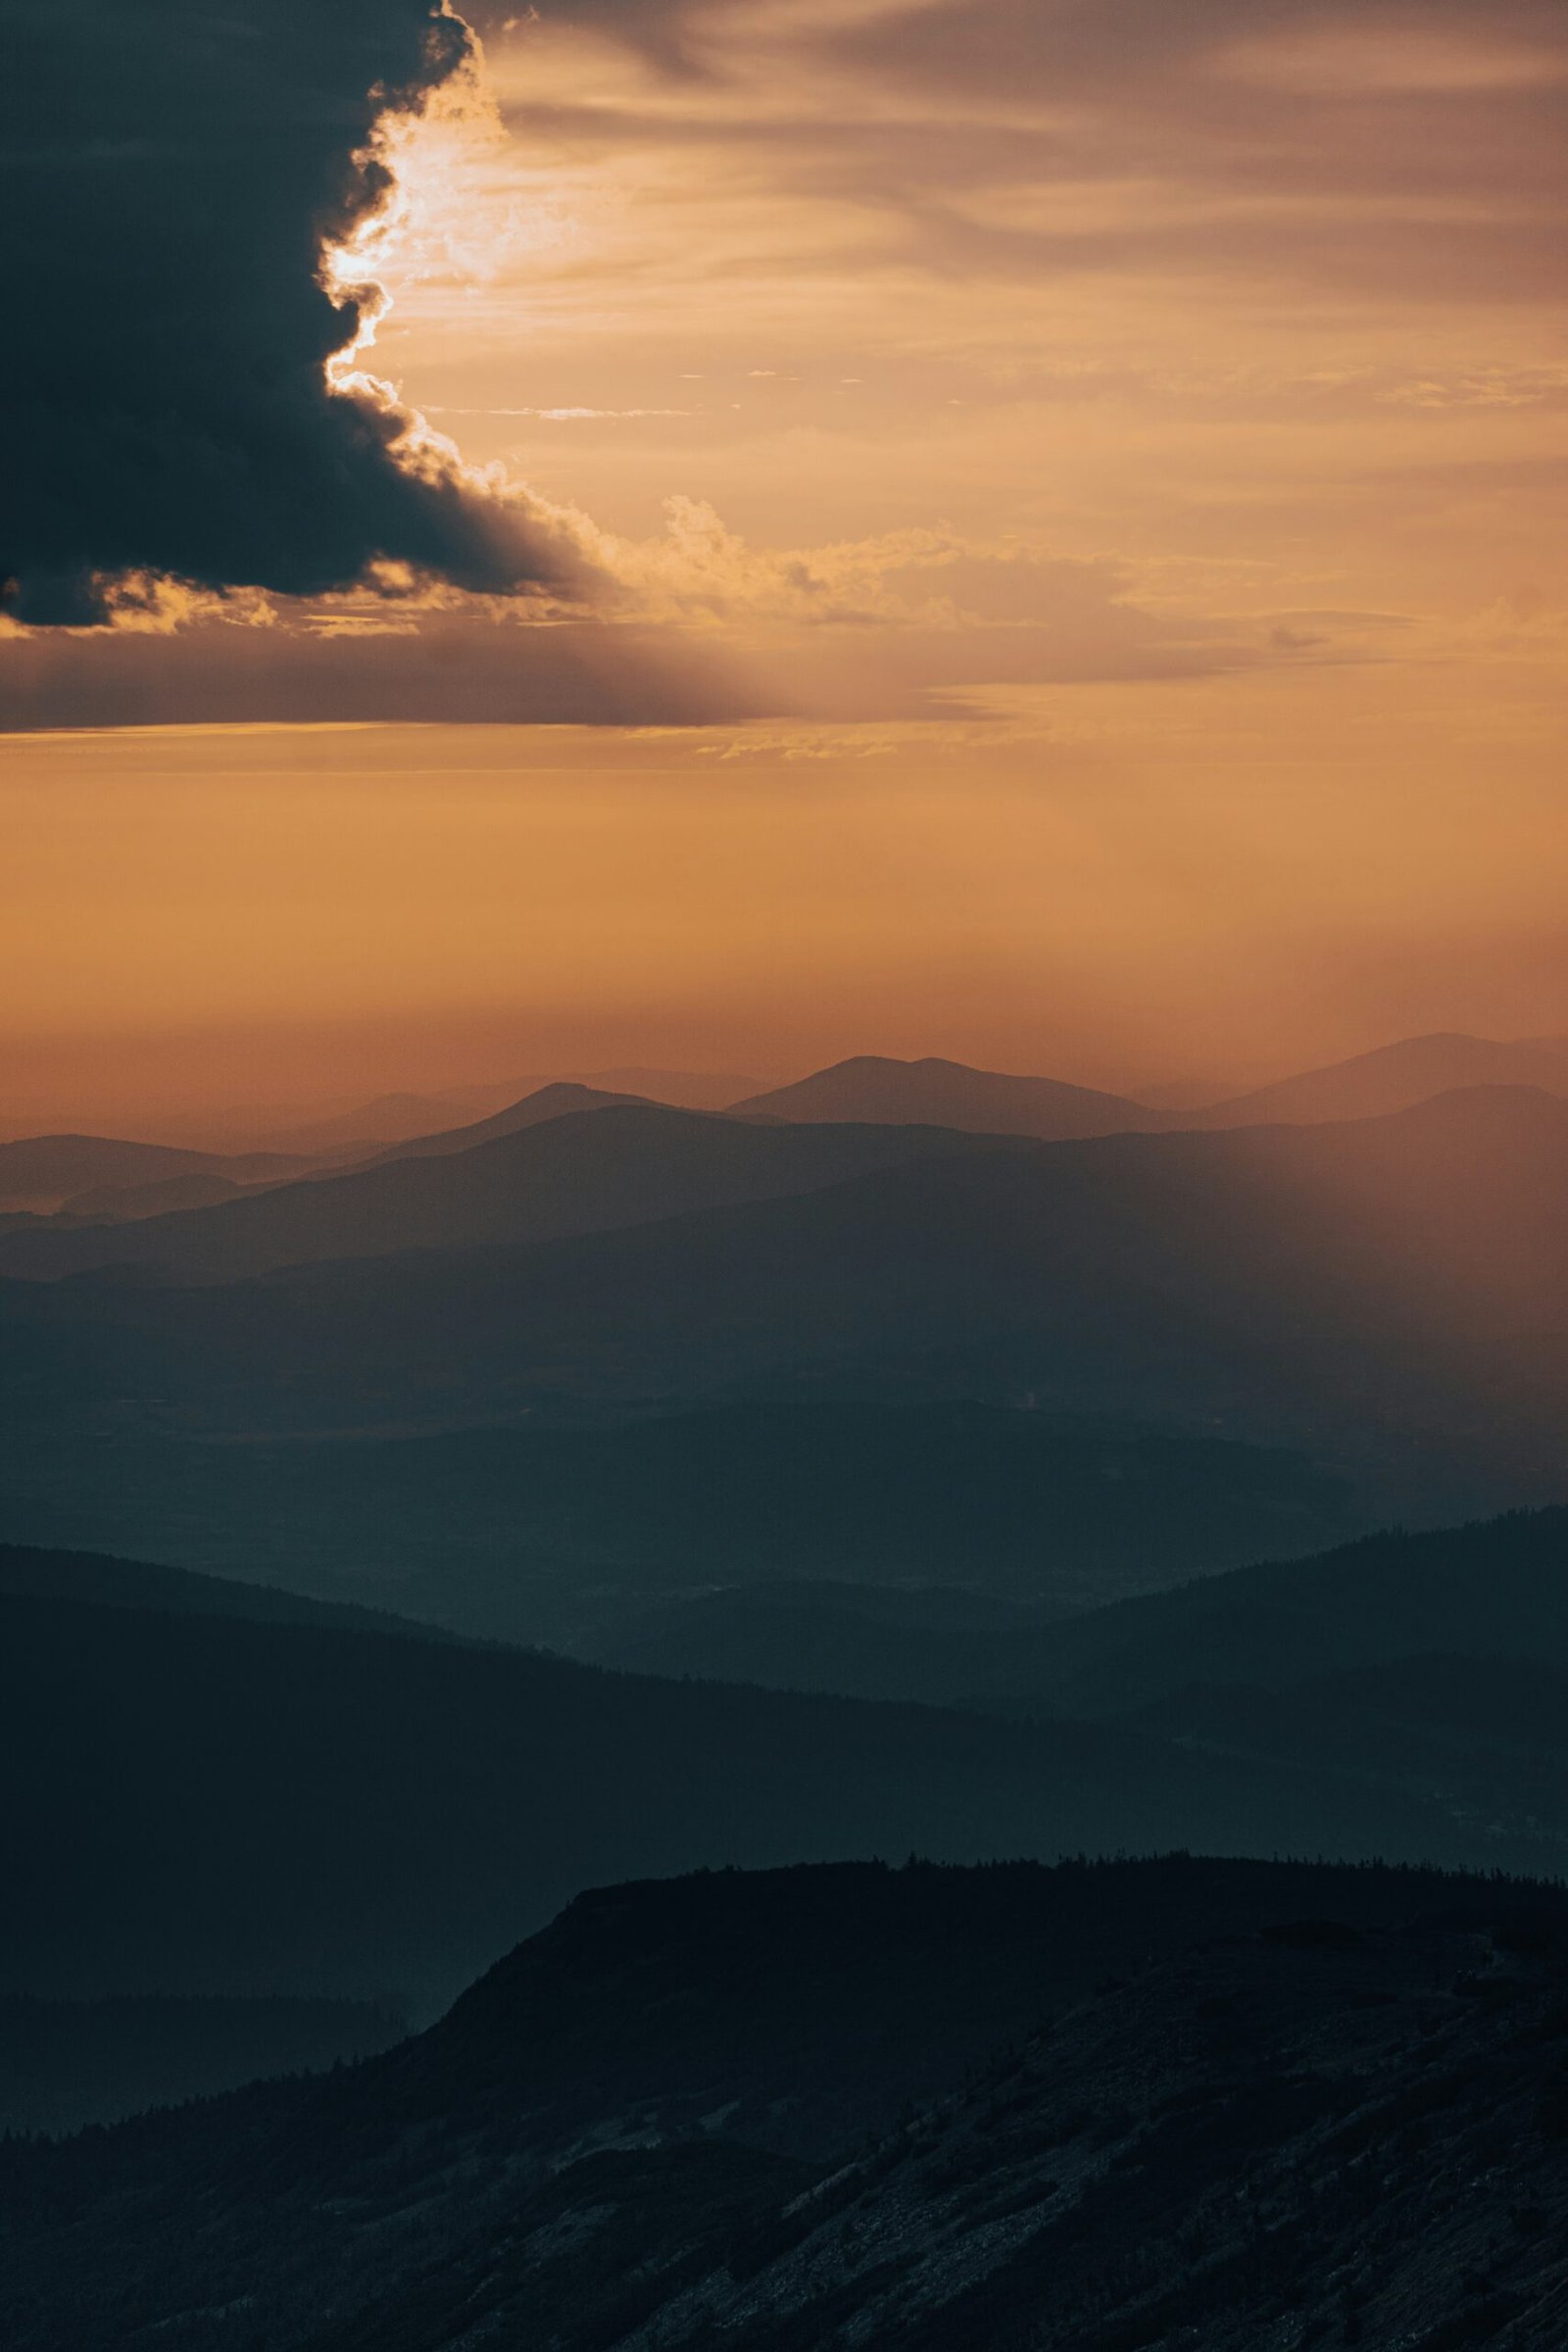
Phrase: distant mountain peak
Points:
(1394, 1077)
(879, 1090)
(557, 1097)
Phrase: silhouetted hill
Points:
(1497, 1591)
(551, 1101)
(205, 1804)
(112, 1204)
(402, 1117)
(575, 1174)
(1394, 1077)
(34, 1571)
(1366, 1290)
(537, 1532)
(1105, 2107)
(688, 1090)
(644, 1993)
(1489, 1734)
(948, 1094)
(833, 1637)
(65, 2064)
(1433, 1666)
(42, 1171)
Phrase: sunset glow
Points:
(784, 1175)
(1082, 532)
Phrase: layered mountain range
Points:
(513, 1375)
(1403, 1698)
(400, 1539)
(1406, 1266)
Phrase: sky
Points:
(733, 534)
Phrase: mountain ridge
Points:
(1382, 1296)
(553, 1100)
(42, 1571)
(540, 1530)
(1397, 1077)
(321, 1850)
(615, 1165)
(879, 1090)
(40, 1169)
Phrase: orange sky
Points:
(1082, 581)
(1226, 876)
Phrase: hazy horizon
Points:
(471, 1073)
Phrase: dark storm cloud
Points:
(169, 170)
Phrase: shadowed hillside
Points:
(1433, 1668)
(936, 1645)
(1493, 1594)
(538, 1532)
(1492, 1590)
(1111, 2106)
(620, 1165)
(66, 2064)
(29, 1572)
(217, 1805)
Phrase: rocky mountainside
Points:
(1137, 2107)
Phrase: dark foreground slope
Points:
(201, 1804)
(67, 2064)
(1162, 2104)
